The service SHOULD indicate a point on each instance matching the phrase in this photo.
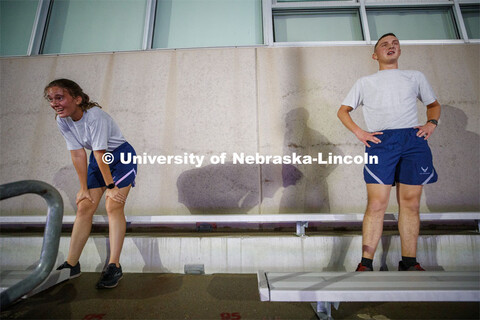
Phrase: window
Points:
(413, 23)
(471, 18)
(16, 18)
(207, 23)
(30, 27)
(95, 25)
(304, 0)
(317, 25)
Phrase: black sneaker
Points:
(403, 267)
(74, 270)
(110, 277)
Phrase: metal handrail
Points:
(51, 238)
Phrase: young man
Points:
(394, 135)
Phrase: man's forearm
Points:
(344, 116)
(433, 111)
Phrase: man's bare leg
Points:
(408, 197)
(372, 228)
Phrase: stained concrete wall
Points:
(272, 101)
(250, 253)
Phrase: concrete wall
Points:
(274, 101)
(250, 253)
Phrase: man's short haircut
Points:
(385, 35)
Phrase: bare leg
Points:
(372, 228)
(117, 226)
(83, 225)
(408, 198)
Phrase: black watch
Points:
(111, 186)
(435, 122)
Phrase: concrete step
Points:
(248, 253)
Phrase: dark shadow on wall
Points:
(336, 262)
(236, 188)
(150, 251)
(310, 194)
(230, 188)
(456, 153)
(66, 180)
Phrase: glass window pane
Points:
(338, 25)
(471, 18)
(412, 23)
(16, 24)
(305, 0)
(95, 26)
(208, 23)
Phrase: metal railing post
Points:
(51, 238)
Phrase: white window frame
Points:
(362, 6)
(268, 8)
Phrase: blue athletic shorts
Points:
(123, 174)
(402, 157)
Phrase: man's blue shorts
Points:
(402, 157)
(123, 174)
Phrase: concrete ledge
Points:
(245, 218)
(234, 253)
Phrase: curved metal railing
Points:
(51, 238)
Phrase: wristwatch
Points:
(435, 122)
(111, 186)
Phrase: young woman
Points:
(85, 126)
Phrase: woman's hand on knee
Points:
(116, 195)
(82, 195)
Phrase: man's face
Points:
(388, 50)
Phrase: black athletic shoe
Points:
(403, 267)
(361, 267)
(74, 270)
(110, 277)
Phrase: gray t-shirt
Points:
(389, 98)
(96, 130)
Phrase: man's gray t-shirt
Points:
(389, 98)
(96, 130)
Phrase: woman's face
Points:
(64, 104)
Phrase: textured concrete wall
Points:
(271, 101)
(248, 254)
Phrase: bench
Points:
(9, 278)
(327, 289)
(300, 220)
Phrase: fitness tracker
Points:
(435, 122)
(111, 186)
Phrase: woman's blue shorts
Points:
(123, 174)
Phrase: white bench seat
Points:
(301, 220)
(9, 278)
(327, 288)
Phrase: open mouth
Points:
(390, 52)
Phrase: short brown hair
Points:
(385, 35)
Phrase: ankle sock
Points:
(409, 261)
(367, 262)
